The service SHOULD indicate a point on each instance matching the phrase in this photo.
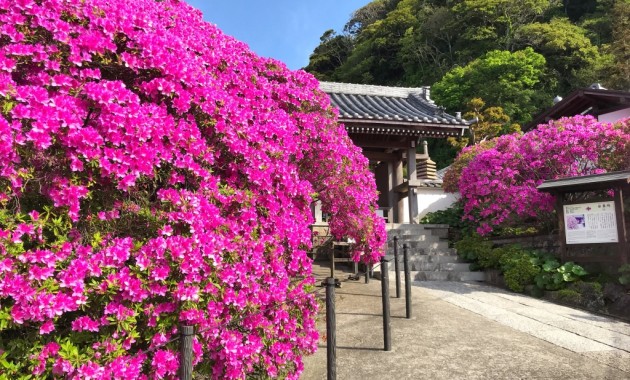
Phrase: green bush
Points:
(519, 269)
(569, 295)
(491, 259)
(522, 267)
(624, 274)
(589, 295)
(553, 275)
(453, 217)
(471, 248)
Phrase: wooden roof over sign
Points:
(393, 111)
(585, 101)
(587, 183)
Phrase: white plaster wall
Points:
(405, 215)
(433, 199)
(614, 116)
(429, 200)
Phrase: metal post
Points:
(331, 334)
(332, 261)
(387, 322)
(407, 280)
(185, 351)
(396, 266)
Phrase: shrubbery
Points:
(624, 275)
(498, 181)
(473, 248)
(154, 171)
(520, 267)
(453, 217)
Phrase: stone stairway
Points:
(430, 257)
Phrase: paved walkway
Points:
(469, 331)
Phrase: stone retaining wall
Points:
(547, 243)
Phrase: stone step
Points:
(431, 259)
(434, 263)
(437, 229)
(465, 276)
(441, 245)
(448, 276)
(435, 226)
(439, 267)
(436, 259)
(416, 237)
(423, 237)
(406, 226)
(401, 233)
(450, 252)
(422, 248)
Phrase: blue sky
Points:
(287, 30)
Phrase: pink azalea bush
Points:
(153, 172)
(498, 186)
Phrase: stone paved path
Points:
(604, 339)
(469, 331)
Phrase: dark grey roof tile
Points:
(408, 104)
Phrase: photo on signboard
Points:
(576, 222)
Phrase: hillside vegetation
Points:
(514, 54)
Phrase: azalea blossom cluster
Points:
(155, 172)
(498, 186)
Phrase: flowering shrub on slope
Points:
(467, 154)
(155, 171)
(499, 185)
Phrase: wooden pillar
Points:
(381, 175)
(391, 196)
(399, 207)
(624, 248)
(561, 228)
(412, 175)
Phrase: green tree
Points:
(492, 24)
(620, 47)
(428, 49)
(514, 81)
(598, 23)
(442, 152)
(490, 122)
(571, 56)
(368, 14)
(375, 56)
(332, 52)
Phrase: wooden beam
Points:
(380, 156)
(380, 144)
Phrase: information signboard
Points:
(587, 223)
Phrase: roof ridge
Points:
(369, 89)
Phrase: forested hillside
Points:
(513, 54)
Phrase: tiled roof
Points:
(431, 183)
(440, 173)
(388, 104)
